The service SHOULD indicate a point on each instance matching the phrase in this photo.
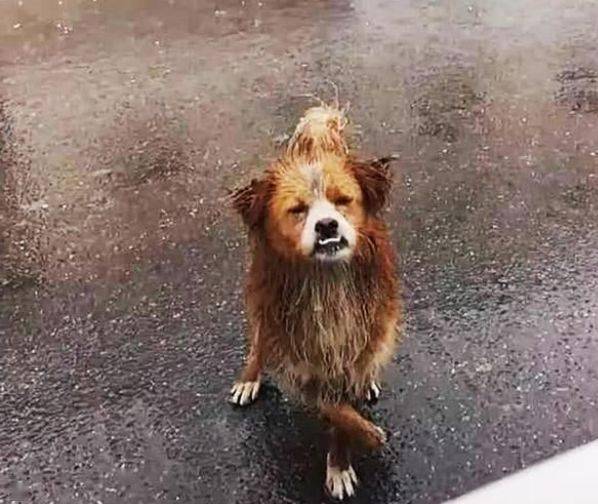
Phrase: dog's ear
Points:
(374, 178)
(250, 202)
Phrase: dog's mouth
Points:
(330, 247)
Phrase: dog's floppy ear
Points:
(374, 178)
(250, 202)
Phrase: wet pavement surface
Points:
(122, 124)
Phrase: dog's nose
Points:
(327, 228)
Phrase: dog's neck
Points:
(320, 287)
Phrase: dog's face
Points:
(315, 211)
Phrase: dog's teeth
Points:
(326, 241)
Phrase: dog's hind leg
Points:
(360, 432)
(245, 390)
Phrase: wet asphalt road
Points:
(121, 324)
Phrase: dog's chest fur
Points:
(324, 319)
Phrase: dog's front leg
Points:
(349, 431)
(246, 388)
(341, 479)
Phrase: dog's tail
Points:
(320, 130)
(360, 431)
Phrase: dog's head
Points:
(316, 210)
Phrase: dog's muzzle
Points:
(328, 241)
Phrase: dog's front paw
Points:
(340, 483)
(244, 393)
(380, 435)
(373, 392)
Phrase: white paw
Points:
(340, 483)
(244, 393)
(381, 435)
(373, 392)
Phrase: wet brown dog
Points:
(322, 294)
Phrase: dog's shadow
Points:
(290, 446)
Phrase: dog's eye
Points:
(343, 201)
(298, 209)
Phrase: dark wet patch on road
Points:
(446, 100)
(578, 89)
(142, 150)
(22, 211)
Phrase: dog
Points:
(323, 303)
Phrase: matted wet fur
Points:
(325, 326)
(322, 326)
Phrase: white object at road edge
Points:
(570, 477)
